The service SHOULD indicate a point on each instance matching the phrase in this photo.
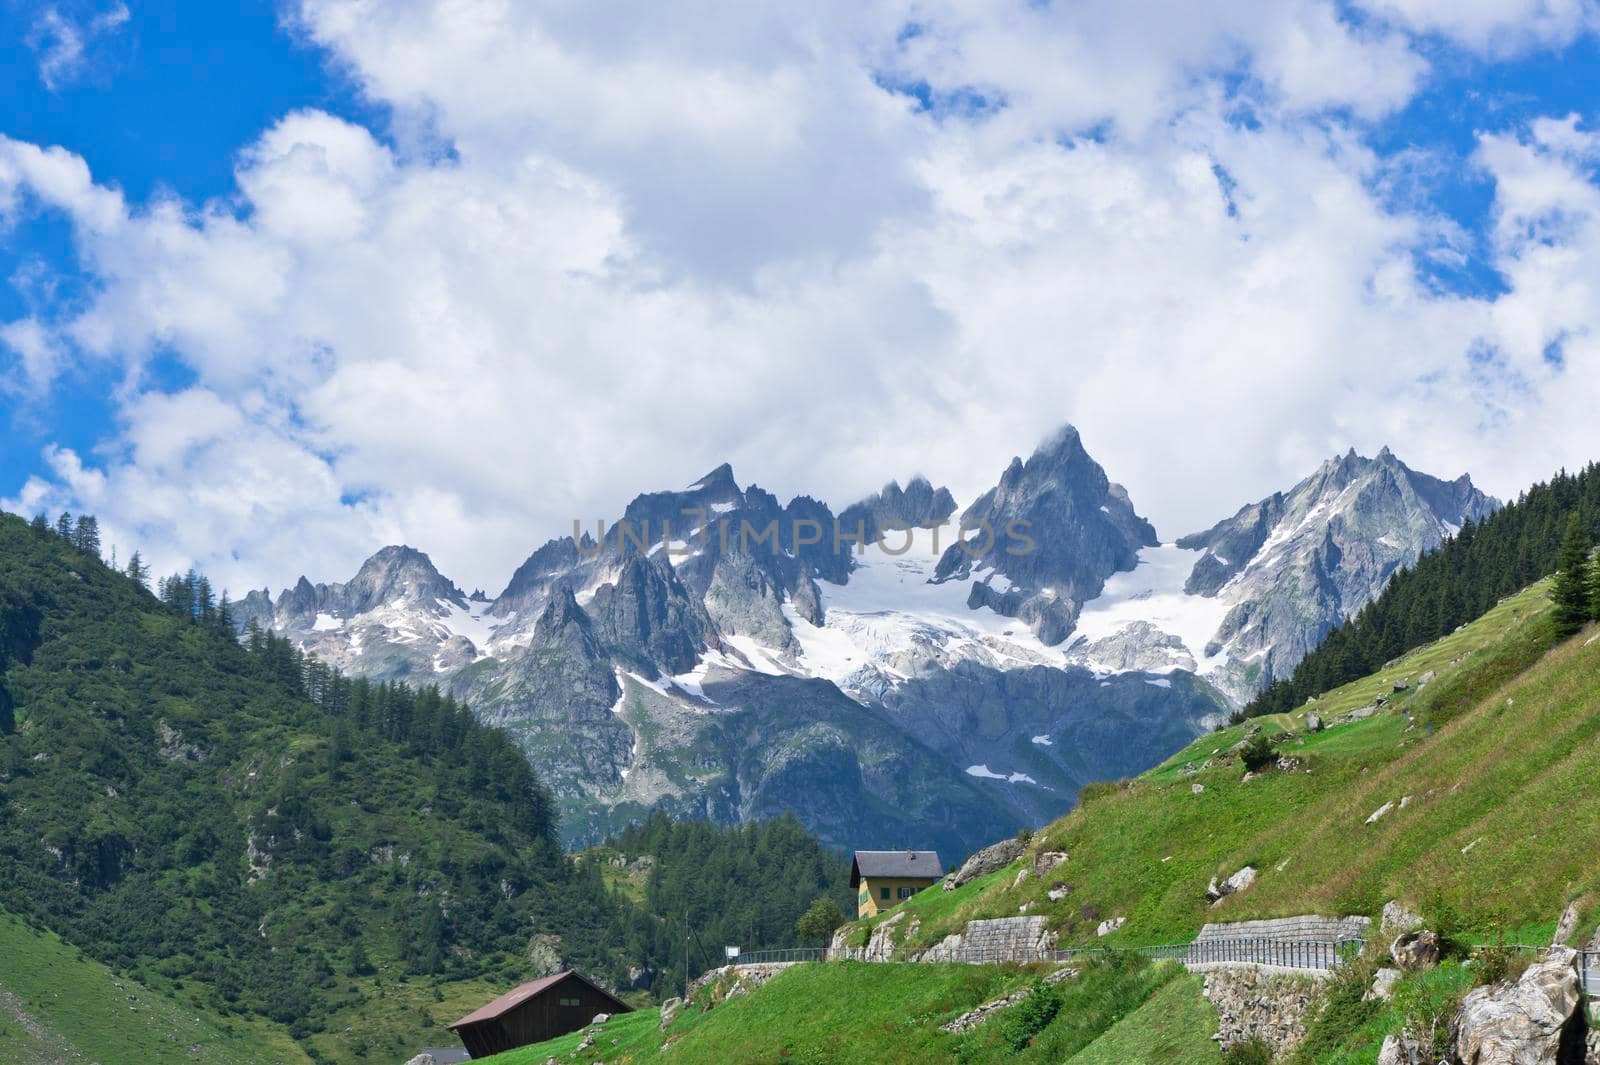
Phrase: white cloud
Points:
(1494, 27)
(660, 239)
(61, 41)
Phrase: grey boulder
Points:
(1532, 1021)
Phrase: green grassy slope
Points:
(848, 1012)
(1498, 755)
(1176, 1025)
(57, 1005)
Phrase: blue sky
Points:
(714, 205)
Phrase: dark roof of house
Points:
(523, 992)
(909, 865)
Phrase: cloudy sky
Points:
(286, 283)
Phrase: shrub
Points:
(1253, 1051)
(1030, 1016)
(1343, 1012)
(1258, 753)
(1500, 963)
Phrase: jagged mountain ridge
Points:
(641, 673)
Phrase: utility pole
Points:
(686, 956)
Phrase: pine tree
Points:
(138, 571)
(1572, 594)
(64, 526)
(1594, 589)
(40, 524)
(86, 537)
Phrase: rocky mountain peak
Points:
(1055, 527)
(561, 611)
(400, 574)
(719, 482)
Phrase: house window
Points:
(883, 893)
(570, 1002)
(907, 892)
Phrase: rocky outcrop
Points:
(1566, 926)
(1402, 1050)
(1535, 1020)
(893, 509)
(1217, 891)
(976, 1016)
(648, 618)
(1415, 951)
(992, 858)
(1397, 919)
(1252, 1003)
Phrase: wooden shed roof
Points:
(523, 992)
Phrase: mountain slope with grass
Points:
(58, 1005)
(1459, 780)
(847, 1011)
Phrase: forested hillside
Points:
(1447, 588)
(741, 885)
(241, 826)
(176, 807)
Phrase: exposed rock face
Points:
(1297, 563)
(1139, 646)
(1252, 1003)
(1533, 1020)
(974, 1017)
(1414, 951)
(893, 508)
(1383, 982)
(1401, 1049)
(1046, 862)
(650, 618)
(1397, 919)
(994, 856)
(1083, 528)
(1105, 928)
(1566, 926)
(1216, 892)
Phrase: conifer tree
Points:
(40, 524)
(64, 526)
(86, 536)
(137, 571)
(1572, 593)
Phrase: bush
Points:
(1344, 1011)
(1500, 963)
(1031, 1016)
(1253, 1051)
(1258, 753)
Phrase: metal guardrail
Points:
(776, 957)
(1311, 955)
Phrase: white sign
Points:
(731, 952)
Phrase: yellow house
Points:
(884, 879)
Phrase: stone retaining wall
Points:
(1310, 928)
(997, 939)
(1252, 1002)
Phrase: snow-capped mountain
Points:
(718, 654)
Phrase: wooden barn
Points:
(534, 1012)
